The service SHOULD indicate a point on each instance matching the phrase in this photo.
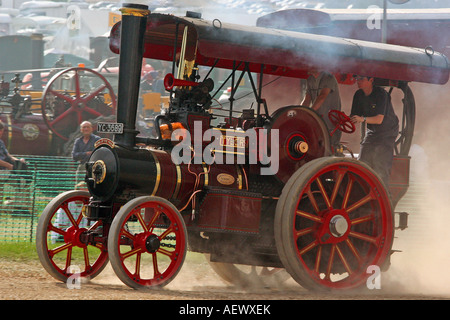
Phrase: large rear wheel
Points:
(333, 221)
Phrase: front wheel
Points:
(66, 241)
(147, 243)
(333, 221)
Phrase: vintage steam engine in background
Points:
(258, 189)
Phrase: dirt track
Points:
(196, 281)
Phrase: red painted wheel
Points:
(73, 96)
(341, 121)
(147, 243)
(65, 239)
(333, 220)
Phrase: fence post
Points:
(33, 203)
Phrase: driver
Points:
(322, 95)
(372, 105)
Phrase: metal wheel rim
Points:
(346, 255)
(165, 224)
(94, 258)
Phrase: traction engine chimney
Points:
(133, 26)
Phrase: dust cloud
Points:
(423, 265)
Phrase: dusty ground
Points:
(196, 281)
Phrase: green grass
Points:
(26, 251)
(19, 251)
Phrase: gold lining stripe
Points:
(177, 188)
(205, 169)
(158, 173)
(239, 174)
(230, 152)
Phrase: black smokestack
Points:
(134, 18)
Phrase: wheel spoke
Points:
(137, 270)
(318, 259)
(87, 264)
(348, 190)
(156, 272)
(323, 192)
(337, 185)
(130, 253)
(94, 93)
(309, 216)
(68, 258)
(60, 249)
(364, 237)
(165, 252)
(127, 234)
(165, 233)
(61, 95)
(91, 111)
(353, 249)
(303, 232)
(369, 217)
(77, 84)
(52, 228)
(312, 199)
(308, 247)
(361, 202)
(343, 259)
(61, 116)
(155, 216)
(141, 220)
(330, 262)
(65, 207)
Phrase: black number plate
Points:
(106, 127)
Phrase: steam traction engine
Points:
(260, 190)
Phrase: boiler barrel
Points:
(118, 170)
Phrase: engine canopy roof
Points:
(285, 53)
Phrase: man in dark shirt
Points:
(82, 149)
(372, 105)
(84, 145)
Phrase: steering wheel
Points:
(341, 121)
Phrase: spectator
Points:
(84, 145)
(6, 160)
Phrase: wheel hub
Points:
(338, 225)
(335, 227)
(152, 243)
(74, 235)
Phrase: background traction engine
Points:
(323, 219)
